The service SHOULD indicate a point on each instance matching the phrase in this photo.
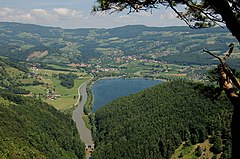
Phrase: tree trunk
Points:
(235, 126)
(223, 8)
(235, 135)
(227, 82)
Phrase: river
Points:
(85, 133)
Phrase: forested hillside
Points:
(30, 128)
(11, 71)
(155, 122)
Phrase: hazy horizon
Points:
(74, 14)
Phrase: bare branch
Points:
(226, 70)
(179, 14)
(212, 54)
(230, 50)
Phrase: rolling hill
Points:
(180, 45)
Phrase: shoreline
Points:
(120, 77)
(91, 107)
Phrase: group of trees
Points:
(25, 134)
(154, 122)
(67, 80)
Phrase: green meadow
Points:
(66, 98)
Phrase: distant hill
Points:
(155, 122)
(180, 45)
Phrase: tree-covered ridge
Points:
(30, 128)
(154, 122)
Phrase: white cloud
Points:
(41, 15)
(68, 12)
(73, 18)
(6, 11)
(144, 14)
(168, 14)
(9, 14)
(39, 11)
(26, 16)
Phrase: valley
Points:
(128, 51)
(50, 64)
(45, 84)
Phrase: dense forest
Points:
(153, 123)
(30, 128)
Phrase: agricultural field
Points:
(69, 97)
(42, 83)
(51, 91)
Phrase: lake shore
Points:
(117, 87)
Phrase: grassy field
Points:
(36, 89)
(66, 97)
(13, 71)
(187, 152)
(51, 72)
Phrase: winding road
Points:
(85, 133)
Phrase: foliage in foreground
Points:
(154, 122)
(30, 128)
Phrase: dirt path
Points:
(85, 133)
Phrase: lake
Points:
(106, 90)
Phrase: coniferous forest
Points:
(153, 123)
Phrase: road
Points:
(85, 133)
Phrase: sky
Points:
(70, 14)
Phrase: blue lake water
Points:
(106, 90)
